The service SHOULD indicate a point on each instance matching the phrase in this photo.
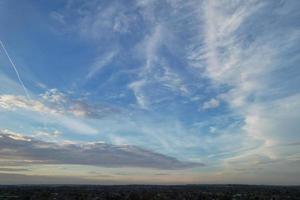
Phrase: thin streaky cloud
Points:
(16, 71)
(100, 62)
(203, 81)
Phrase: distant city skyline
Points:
(149, 92)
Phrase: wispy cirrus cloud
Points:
(96, 20)
(239, 56)
(209, 81)
(156, 73)
(102, 22)
(100, 62)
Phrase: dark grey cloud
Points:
(290, 144)
(17, 147)
(14, 178)
(7, 169)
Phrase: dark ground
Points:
(138, 192)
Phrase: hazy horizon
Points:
(150, 92)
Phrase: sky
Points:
(150, 92)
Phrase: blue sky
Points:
(145, 91)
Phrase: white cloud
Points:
(58, 17)
(96, 20)
(212, 129)
(152, 44)
(212, 103)
(47, 134)
(274, 122)
(247, 68)
(55, 102)
(156, 73)
(100, 62)
(149, 47)
(137, 88)
(55, 112)
(54, 96)
(13, 102)
(227, 61)
(76, 125)
(14, 135)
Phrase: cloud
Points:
(157, 77)
(96, 20)
(146, 34)
(245, 56)
(58, 108)
(54, 96)
(16, 147)
(7, 169)
(137, 88)
(76, 125)
(274, 122)
(12, 102)
(58, 17)
(250, 65)
(212, 103)
(16, 178)
(76, 107)
(47, 134)
(246, 63)
(149, 48)
(100, 62)
(57, 103)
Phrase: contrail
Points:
(16, 70)
(20, 80)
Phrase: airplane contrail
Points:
(20, 80)
(16, 70)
